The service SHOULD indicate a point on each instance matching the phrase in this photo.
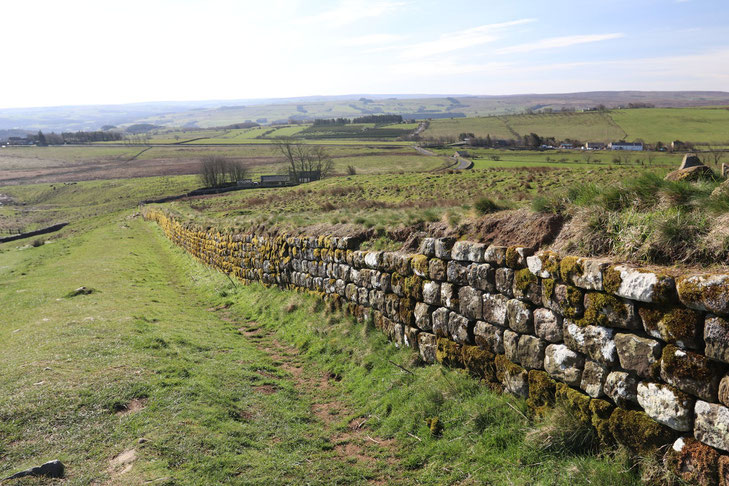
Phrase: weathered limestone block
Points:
(638, 354)
(638, 284)
(437, 269)
(693, 462)
(373, 259)
(593, 378)
(377, 299)
(431, 293)
(363, 296)
(676, 325)
(690, 372)
(406, 311)
(459, 328)
(392, 305)
(584, 273)
(563, 364)
(711, 425)
(519, 316)
(594, 341)
(544, 264)
(516, 256)
(514, 378)
(396, 284)
(489, 337)
(511, 345)
(504, 278)
(716, 337)
(610, 311)
(422, 315)
(482, 277)
(427, 344)
(527, 286)
(548, 325)
(427, 247)
(457, 273)
(443, 247)
(468, 251)
(530, 351)
(622, 388)
(705, 292)
(495, 309)
(566, 300)
(410, 337)
(724, 390)
(439, 318)
(351, 292)
(496, 255)
(667, 405)
(471, 302)
(449, 295)
(638, 432)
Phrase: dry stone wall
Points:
(638, 354)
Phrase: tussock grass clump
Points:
(562, 431)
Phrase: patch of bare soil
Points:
(123, 463)
(352, 442)
(133, 406)
(521, 227)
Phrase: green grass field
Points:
(698, 125)
(170, 373)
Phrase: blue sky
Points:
(84, 51)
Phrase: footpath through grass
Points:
(170, 372)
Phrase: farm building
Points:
(308, 176)
(594, 146)
(636, 147)
(275, 180)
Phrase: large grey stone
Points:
(437, 269)
(504, 278)
(639, 284)
(724, 390)
(622, 388)
(468, 251)
(427, 247)
(690, 160)
(593, 378)
(639, 354)
(495, 255)
(440, 322)
(373, 259)
(691, 372)
(495, 309)
(566, 300)
(511, 345)
(427, 345)
(548, 325)
(531, 352)
(471, 301)
(705, 292)
(590, 275)
(716, 337)
(516, 381)
(443, 247)
(666, 405)
(458, 328)
(489, 337)
(563, 364)
(610, 311)
(422, 315)
(431, 293)
(594, 341)
(457, 273)
(519, 316)
(677, 325)
(482, 277)
(711, 425)
(544, 264)
(449, 295)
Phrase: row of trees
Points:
(218, 171)
(53, 138)
(376, 119)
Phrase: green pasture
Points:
(698, 125)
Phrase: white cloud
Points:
(462, 39)
(351, 11)
(371, 40)
(558, 42)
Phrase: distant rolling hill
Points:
(216, 113)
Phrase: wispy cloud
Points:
(350, 11)
(558, 42)
(371, 40)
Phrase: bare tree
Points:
(236, 171)
(302, 158)
(213, 171)
(714, 155)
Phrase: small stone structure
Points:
(691, 169)
(639, 354)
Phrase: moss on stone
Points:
(541, 392)
(412, 287)
(638, 432)
(523, 279)
(577, 402)
(611, 279)
(550, 262)
(419, 264)
(548, 285)
(600, 411)
(512, 257)
(505, 367)
(687, 365)
(598, 301)
(570, 266)
(448, 353)
(479, 362)
(695, 462)
(435, 426)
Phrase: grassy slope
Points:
(698, 125)
(70, 364)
